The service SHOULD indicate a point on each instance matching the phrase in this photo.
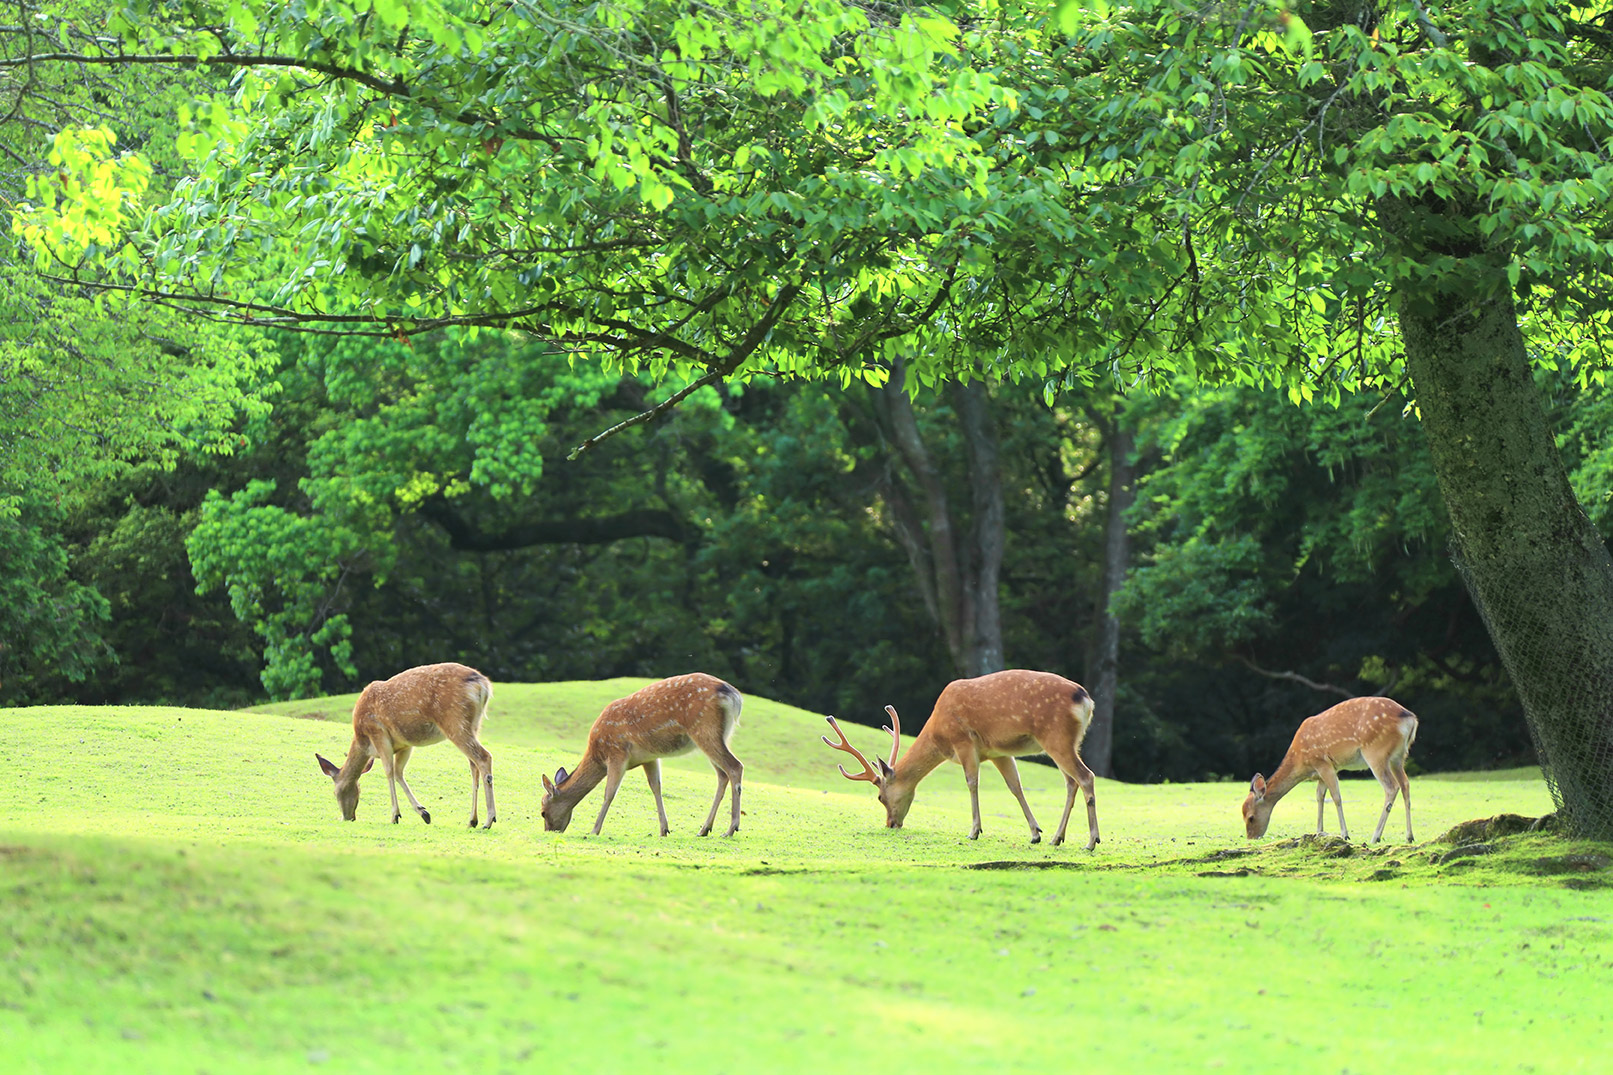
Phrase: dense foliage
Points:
(1332, 199)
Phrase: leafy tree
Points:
(1306, 546)
(1328, 199)
(1369, 163)
(90, 385)
(49, 623)
(660, 185)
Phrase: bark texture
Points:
(1534, 563)
(957, 559)
(1098, 750)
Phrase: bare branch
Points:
(1295, 677)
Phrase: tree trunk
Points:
(1098, 750)
(957, 565)
(1535, 565)
(986, 532)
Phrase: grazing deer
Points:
(1362, 733)
(416, 708)
(666, 718)
(999, 716)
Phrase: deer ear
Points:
(326, 767)
(370, 765)
(884, 768)
(560, 775)
(1258, 787)
(547, 784)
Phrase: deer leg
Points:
(481, 775)
(652, 777)
(1330, 780)
(1010, 773)
(971, 777)
(730, 771)
(1391, 788)
(711, 815)
(1076, 774)
(381, 746)
(401, 759)
(1321, 801)
(615, 769)
(1399, 768)
(1089, 787)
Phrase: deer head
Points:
(1256, 810)
(556, 808)
(346, 790)
(895, 795)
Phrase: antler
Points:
(896, 733)
(844, 745)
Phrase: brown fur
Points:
(1361, 733)
(996, 718)
(416, 708)
(666, 718)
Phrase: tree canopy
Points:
(1330, 198)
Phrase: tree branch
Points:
(1295, 677)
(231, 59)
(465, 536)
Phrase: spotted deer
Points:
(416, 708)
(1362, 733)
(994, 717)
(672, 716)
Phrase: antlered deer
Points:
(998, 716)
(666, 718)
(415, 708)
(1362, 733)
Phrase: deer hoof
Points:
(424, 816)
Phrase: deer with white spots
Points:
(1362, 733)
(663, 719)
(995, 717)
(416, 708)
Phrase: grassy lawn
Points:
(178, 893)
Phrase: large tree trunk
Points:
(1534, 563)
(1098, 749)
(956, 563)
(986, 530)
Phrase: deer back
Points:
(420, 706)
(666, 718)
(1010, 712)
(1346, 735)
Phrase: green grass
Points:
(177, 893)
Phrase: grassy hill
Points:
(178, 893)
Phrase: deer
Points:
(416, 708)
(666, 718)
(999, 716)
(1361, 733)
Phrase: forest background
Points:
(204, 512)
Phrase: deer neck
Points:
(1289, 775)
(359, 756)
(580, 781)
(919, 761)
